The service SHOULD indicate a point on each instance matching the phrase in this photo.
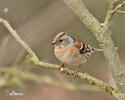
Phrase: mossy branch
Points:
(36, 61)
(102, 34)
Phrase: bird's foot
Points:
(76, 72)
(62, 67)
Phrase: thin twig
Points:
(112, 9)
(111, 12)
(119, 6)
(120, 11)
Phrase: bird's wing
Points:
(81, 46)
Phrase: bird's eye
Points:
(60, 41)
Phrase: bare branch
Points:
(120, 11)
(119, 6)
(112, 9)
(110, 13)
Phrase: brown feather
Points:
(82, 46)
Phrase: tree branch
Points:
(112, 9)
(36, 61)
(110, 13)
(120, 11)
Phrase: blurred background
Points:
(37, 22)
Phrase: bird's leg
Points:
(76, 71)
(62, 67)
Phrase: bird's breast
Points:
(70, 56)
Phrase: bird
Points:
(71, 51)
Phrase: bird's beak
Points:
(53, 42)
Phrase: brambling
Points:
(71, 51)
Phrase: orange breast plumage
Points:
(70, 55)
